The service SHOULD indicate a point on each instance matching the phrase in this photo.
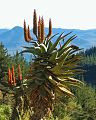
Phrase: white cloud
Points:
(64, 13)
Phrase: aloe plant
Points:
(15, 88)
(53, 68)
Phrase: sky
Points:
(70, 14)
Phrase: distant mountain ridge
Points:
(3, 30)
(13, 39)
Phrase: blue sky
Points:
(78, 14)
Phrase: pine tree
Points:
(4, 58)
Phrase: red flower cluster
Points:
(11, 75)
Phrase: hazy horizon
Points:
(75, 14)
(9, 28)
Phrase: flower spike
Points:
(42, 30)
(39, 30)
(35, 23)
(29, 36)
(19, 73)
(50, 29)
(26, 33)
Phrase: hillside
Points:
(89, 65)
(13, 38)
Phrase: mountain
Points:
(3, 30)
(13, 39)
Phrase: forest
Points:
(89, 65)
(57, 83)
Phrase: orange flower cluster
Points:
(27, 35)
(19, 73)
(11, 75)
(50, 28)
(38, 29)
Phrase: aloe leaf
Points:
(70, 81)
(30, 51)
(56, 43)
(27, 51)
(51, 80)
(61, 87)
(73, 47)
(53, 56)
(74, 60)
(60, 62)
(29, 48)
(65, 91)
(74, 51)
(49, 45)
(65, 35)
(63, 56)
(68, 41)
(75, 80)
(43, 48)
(63, 50)
(48, 40)
(38, 50)
(35, 43)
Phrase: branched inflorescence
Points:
(38, 29)
(11, 76)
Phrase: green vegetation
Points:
(5, 112)
(4, 58)
(82, 107)
(89, 65)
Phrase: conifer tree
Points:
(4, 58)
